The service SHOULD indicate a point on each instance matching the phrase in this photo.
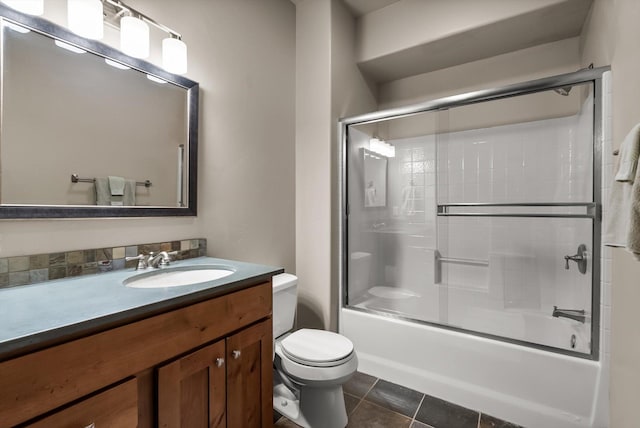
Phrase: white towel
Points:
(629, 152)
(622, 220)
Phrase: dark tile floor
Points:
(376, 403)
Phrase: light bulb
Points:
(174, 55)
(85, 18)
(32, 7)
(134, 37)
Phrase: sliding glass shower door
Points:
(479, 217)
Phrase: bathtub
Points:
(527, 386)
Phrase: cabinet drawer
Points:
(116, 407)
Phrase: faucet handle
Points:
(165, 258)
(580, 258)
(142, 261)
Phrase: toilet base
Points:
(316, 407)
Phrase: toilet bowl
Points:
(310, 366)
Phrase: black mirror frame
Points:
(50, 29)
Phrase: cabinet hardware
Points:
(236, 354)
(219, 362)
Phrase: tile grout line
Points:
(417, 410)
(371, 387)
(387, 409)
(361, 399)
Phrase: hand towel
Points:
(129, 197)
(103, 193)
(622, 219)
(116, 185)
(629, 152)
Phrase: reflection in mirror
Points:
(89, 134)
(375, 179)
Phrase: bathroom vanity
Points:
(190, 356)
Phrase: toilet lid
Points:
(309, 346)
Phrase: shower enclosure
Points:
(477, 214)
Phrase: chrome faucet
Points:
(574, 314)
(159, 260)
(152, 260)
(580, 257)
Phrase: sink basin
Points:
(177, 277)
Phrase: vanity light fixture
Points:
(174, 54)
(134, 36)
(85, 18)
(382, 148)
(32, 7)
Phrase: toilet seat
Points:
(316, 357)
(317, 348)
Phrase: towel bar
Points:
(76, 179)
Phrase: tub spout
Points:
(574, 314)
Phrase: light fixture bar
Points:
(124, 8)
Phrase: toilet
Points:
(310, 366)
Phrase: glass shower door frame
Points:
(592, 210)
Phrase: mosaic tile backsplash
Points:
(24, 270)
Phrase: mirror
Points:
(375, 179)
(87, 131)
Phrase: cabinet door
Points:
(191, 390)
(116, 407)
(249, 377)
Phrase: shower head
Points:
(564, 90)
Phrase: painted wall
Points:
(313, 162)
(243, 55)
(412, 22)
(514, 67)
(328, 86)
(351, 94)
(610, 37)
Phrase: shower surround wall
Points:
(545, 161)
(542, 161)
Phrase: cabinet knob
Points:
(236, 354)
(91, 425)
(219, 362)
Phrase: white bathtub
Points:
(530, 387)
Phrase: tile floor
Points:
(376, 403)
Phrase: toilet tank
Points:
(285, 298)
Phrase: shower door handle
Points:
(580, 258)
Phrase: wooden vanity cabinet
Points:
(221, 385)
(204, 365)
(116, 407)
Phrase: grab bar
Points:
(473, 262)
(591, 210)
(76, 179)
